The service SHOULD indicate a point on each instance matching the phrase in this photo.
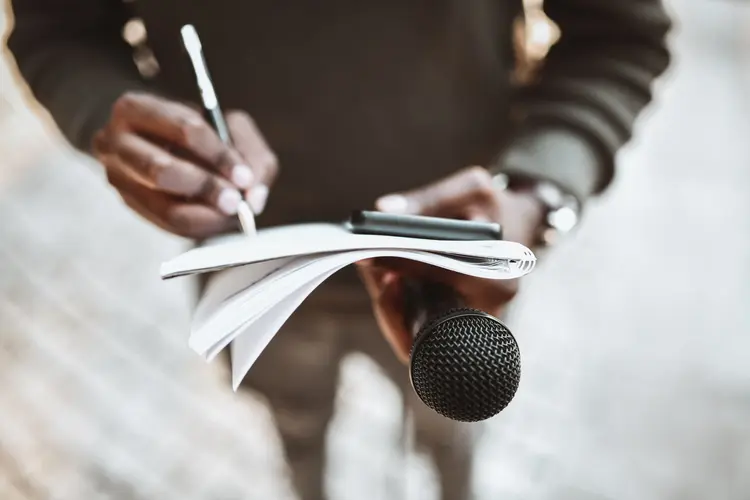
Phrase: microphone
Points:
(464, 364)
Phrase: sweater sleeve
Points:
(594, 83)
(75, 60)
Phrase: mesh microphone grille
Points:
(466, 365)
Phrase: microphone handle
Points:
(425, 300)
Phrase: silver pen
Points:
(211, 104)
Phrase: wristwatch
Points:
(563, 210)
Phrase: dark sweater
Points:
(359, 99)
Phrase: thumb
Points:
(399, 203)
(446, 197)
(387, 301)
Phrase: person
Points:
(410, 106)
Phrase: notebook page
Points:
(223, 285)
(306, 239)
(247, 305)
(253, 337)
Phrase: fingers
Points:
(172, 167)
(467, 194)
(410, 268)
(182, 127)
(383, 277)
(154, 168)
(418, 271)
(386, 294)
(190, 220)
(484, 294)
(253, 147)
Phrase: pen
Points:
(211, 104)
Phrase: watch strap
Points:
(563, 210)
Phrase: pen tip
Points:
(247, 219)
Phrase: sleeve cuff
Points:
(558, 156)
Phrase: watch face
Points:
(563, 213)
(563, 219)
(550, 195)
(500, 181)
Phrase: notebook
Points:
(256, 283)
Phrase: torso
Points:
(356, 98)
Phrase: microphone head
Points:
(465, 365)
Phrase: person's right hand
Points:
(171, 167)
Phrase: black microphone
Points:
(464, 364)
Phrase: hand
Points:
(470, 195)
(171, 167)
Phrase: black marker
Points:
(417, 226)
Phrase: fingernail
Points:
(388, 278)
(393, 203)
(257, 198)
(242, 176)
(480, 218)
(229, 201)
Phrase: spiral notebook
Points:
(257, 283)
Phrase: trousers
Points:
(298, 375)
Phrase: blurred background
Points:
(635, 332)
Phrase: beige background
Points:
(635, 333)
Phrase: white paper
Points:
(258, 283)
(256, 299)
(307, 239)
(252, 338)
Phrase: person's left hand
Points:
(470, 195)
